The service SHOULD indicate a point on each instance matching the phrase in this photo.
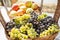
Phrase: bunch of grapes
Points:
(22, 19)
(25, 27)
(45, 23)
(10, 25)
(16, 34)
(32, 33)
(51, 30)
(42, 16)
(33, 20)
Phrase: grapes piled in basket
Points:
(30, 26)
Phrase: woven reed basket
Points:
(50, 37)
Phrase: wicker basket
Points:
(50, 37)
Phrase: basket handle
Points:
(2, 20)
(41, 6)
(57, 12)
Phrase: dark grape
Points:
(10, 25)
(38, 31)
(18, 26)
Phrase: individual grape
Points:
(38, 31)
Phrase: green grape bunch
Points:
(22, 19)
(51, 30)
(14, 32)
(25, 27)
(42, 16)
(31, 33)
